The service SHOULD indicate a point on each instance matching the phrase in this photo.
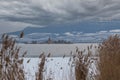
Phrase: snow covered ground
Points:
(56, 68)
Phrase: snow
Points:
(57, 68)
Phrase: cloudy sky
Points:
(17, 14)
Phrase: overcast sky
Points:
(17, 14)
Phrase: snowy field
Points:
(56, 67)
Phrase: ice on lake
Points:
(56, 50)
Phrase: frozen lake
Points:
(56, 67)
(56, 50)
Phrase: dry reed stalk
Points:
(11, 66)
(39, 74)
(109, 59)
(83, 61)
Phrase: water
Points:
(56, 50)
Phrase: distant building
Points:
(49, 40)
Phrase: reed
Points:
(109, 59)
(39, 74)
(82, 61)
(11, 65)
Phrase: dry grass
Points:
(11, 66)
(39, 74)
(83, 62)
(109, 59)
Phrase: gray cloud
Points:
(44, 12)
(8, 26)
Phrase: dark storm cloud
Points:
(44, 12)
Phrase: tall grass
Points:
(39, 74)
(83, 61)
(109, 59)
(11, 66)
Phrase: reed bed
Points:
(109, 59)
(83, 62)
(11, 65)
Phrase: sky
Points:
(18, 14)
